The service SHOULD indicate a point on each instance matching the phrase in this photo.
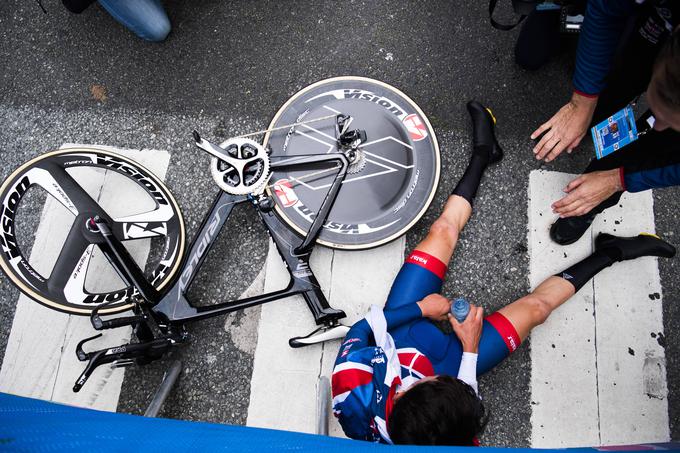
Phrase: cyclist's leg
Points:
(513, 323)
(423, 272)
(145, 18)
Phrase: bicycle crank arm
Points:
(323, 333)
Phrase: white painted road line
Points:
(40, 359)
(598, 374)
(284, 380)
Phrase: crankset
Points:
(239, 167)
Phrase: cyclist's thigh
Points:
(420, 275)
(499, 339)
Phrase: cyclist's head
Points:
(440, 411)
(663, 93)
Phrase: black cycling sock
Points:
(467, 185)
(579, 274)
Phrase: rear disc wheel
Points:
(388, 187)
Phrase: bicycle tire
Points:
(49, 169)
(378, 201)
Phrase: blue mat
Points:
(34, 425)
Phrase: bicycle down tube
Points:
(175, 308)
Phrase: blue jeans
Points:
(145, 18)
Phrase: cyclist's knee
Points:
(442, 230)
(539, 308)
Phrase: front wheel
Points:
(60, 266)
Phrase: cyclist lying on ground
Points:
(394, 375)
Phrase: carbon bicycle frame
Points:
(171, 307)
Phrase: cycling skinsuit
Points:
(361, 399)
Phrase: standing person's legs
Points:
(145, 18)
(538, 40)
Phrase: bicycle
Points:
(293, 180)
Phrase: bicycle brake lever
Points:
(82, 355)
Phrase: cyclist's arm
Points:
(467, 372)
(361, 335)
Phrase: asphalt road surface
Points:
(225, 69)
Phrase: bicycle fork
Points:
(149, 347)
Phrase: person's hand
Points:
(470, 330)
(587, 191)
(565, 129)
(435, 307)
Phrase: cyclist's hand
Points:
(565, 129)
(469, 331)
(588, 191)
(435, 306)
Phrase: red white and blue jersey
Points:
(362, 400)
(365, 381)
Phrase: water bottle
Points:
(460, 309)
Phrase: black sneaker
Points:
(568, 230)
(483, 124)
(644, 244)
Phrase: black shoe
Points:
(644, 244)
(569, 230)
(483, 123)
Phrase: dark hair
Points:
(444, 411)
(667, 72)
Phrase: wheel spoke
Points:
(71, 266)
(58, 183)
